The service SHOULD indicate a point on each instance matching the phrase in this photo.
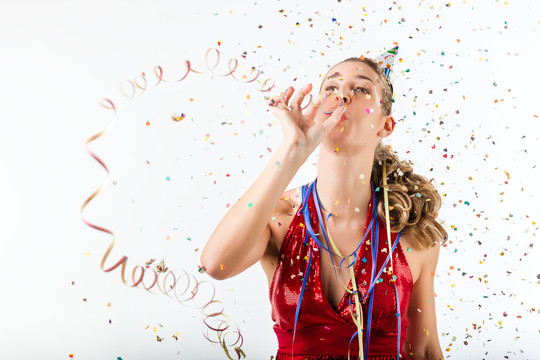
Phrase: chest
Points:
(325, 288)
(335, 270)
(347, 240)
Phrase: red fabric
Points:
(283, 356)
(321, 331)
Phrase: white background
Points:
(467, 88)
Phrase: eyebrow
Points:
(336, 74)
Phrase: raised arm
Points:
(241, 237)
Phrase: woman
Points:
(314, 240)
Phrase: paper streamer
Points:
(219, 328)
(356, 311)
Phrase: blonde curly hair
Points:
(413, 201)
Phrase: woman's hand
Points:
(305, 131)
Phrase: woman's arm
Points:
(242, 236)
(422, 336)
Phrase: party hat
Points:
(385, 61)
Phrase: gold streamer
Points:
(387, 215)
(359, 320)
(215, 321)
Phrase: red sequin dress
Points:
(323, 332)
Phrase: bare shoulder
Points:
(279, 223)
(432, 257)
(283, 214)
(420, 259)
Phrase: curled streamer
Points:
(219, 327)
(323, 101)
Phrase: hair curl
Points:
(413, 201)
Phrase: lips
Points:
(343, 118)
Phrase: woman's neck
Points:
(343, 184)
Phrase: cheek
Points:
(365, 102)
(365, 97)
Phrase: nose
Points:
(346, 94)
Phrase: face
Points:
(361, 89)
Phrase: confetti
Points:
(439, 125)
(178, 118)
(161, 268)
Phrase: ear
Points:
(388, 127)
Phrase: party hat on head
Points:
(386, 62)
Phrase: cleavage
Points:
(333, 289)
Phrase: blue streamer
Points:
(352, 338)
(351, 264)
(373, 282)
(384, 265)
(300, 301)
(374, 248)
(324, 232)
(307, 223)
(306, 273)
(368, 332)
(374, 245)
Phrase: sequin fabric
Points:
(282, 356)
(323, 332)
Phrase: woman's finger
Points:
(332, 120)
(313, 107)
(321, 103)
(330, 102)
(277, 109)
(287, 95)
(296, 103)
